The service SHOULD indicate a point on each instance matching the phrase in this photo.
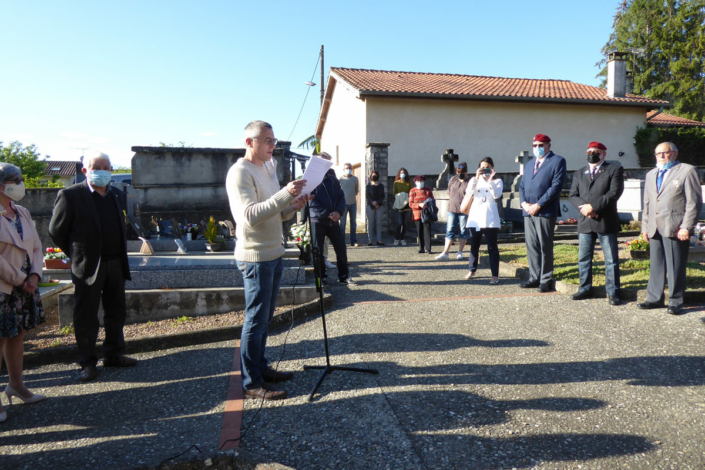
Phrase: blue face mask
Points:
(100, 178)
(539, 152)
(665, 166)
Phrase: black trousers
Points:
(109, 285)
(319, 232)
(492, 248)
(424, 231)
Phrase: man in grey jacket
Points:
(672, 202)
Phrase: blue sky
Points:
(112, 75)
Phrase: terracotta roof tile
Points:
(381, 82)
(61, 168)
(664, 119)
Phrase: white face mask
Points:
(419, 184)
(15, 191)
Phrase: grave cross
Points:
(449, 158)
(522, 159)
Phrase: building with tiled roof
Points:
(422, 114)
(66, 170)
(656, 118)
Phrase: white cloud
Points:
(207, 134)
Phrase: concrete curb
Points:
(628, 295)
(69, 354)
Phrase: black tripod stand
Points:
(328, 368)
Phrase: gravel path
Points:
(488, 377)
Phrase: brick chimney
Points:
(617, 82)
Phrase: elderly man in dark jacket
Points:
(326, 207)
(88, 224)
(595, 191)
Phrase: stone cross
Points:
(449, 158)
(522, 159)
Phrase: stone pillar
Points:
(283, 164)
(377, 158)
(284, 176)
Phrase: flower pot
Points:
(215, 247)
(57, 263)
(639, 254)
(305, 256)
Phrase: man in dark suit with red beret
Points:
(594, 192)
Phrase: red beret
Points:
(541, 138)
(419, 178)
(596, 145)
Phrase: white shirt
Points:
(484, 212)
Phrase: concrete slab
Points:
(158, 304)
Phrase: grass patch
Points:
(634, 274)
(67, 330)
(184, 319)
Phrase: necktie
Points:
(592, 173)
(659, 179)
(536, 168)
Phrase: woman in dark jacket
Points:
(417, 199)
(375, 201)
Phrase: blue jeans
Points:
(455, 227)
(262, 282)
(352, 210)
(610, 249)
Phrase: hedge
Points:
(689, 140)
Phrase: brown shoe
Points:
(88, 373)
(271, 375)
(266, 392)
(120, 361)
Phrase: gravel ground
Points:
(127, 418)
(485, 377)
(503, 380)
(49, 334)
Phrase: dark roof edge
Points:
(445, 96)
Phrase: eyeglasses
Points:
(16, 180)
(659, 154)
(269, 141)
(539, 145)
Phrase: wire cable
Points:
(304, 103)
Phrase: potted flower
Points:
(191, 231)
(216, 242)
(56, 259)
(302, 238)
(638, 248)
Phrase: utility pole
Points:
(322, 69)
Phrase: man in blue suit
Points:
(540, 193)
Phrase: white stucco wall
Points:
(420, 130)
(345, 129)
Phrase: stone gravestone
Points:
(522, 159)
(449, 158)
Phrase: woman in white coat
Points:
(484, 216)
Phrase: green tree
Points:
(667, 42)
(27, 160)
(311, 143)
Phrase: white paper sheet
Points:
(315, 172)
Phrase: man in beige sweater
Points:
(259, 206)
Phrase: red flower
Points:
(50, 250)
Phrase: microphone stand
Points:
(328, 368)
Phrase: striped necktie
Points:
(536, 167)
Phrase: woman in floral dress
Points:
(20, 271)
